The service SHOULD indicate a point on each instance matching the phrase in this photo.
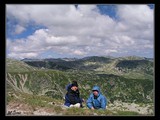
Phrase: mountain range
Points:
(127, 79)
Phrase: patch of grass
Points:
(78, 111)
(33, 100)
(58, 109)
(9, 99)
(127, 113)
(104, 112)
(42, 101)
(87, 112)
(12, 96)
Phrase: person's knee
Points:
(75, 105)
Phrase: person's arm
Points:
(78, 95)
(89, 103)
(103, 103)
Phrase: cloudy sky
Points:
(59, 31)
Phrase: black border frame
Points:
(156, 62)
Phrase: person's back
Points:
(96, 100)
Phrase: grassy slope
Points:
(31, 104)
(40, 82)
(18, 66)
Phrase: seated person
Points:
(96, 100)
(72, 97)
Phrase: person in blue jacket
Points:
(72, 97)
(96, 100)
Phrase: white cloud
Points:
(19, 29)
(22, 55)
(135, 14)
(137, 19)
(110, 51)
(81, 31)
(78, 52)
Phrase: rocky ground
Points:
(141, 109)
(21, 109)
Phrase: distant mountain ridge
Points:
(87, 58)
(96, 63)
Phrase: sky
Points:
(77, 31)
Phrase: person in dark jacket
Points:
(96, 100)
(72, 97)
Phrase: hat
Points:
(96, 88)
(74, 83)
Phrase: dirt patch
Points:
(15, 108)
(21, 109)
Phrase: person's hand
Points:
(92, 108)
(83, 100)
